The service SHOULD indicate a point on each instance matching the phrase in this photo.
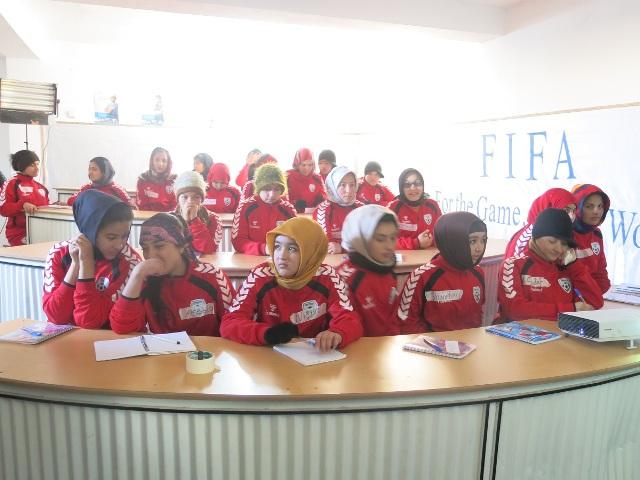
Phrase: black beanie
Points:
(22, 159)
(329, 156)
(554, 222)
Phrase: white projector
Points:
(606, 325)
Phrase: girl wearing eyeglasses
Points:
(417, 213)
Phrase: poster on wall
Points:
(105, 108)
(501, 166)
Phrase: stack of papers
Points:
(306, 353)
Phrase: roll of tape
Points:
(200, 362)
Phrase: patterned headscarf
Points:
(167, 227)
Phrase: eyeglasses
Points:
(415, 184)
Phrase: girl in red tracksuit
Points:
(22, 194)
(448, 292)
(417, 213)
(593, 205)
(293, 294)
(369, 235)
(261, 212)
(552, 198)
(204, 226)
(546, 280)
(370, 190)
(243, 174)
(221, 197)
(155, 186)
(84, 276)
(305, 188)
(101, 174)
(170, 291)
(341, 200)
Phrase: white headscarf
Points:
(334, 177)
(359, 226)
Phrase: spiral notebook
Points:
(36, 333)
(439, 346)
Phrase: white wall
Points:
(584, 56)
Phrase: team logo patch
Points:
(227, 201)
(150, 193)
(312, 187)
(197, 308)
(535, 282)
(428, 218)
(310, 311)
(377, 197)
(102, 284)
(476, 294)
(595, 246)
(273, 310)
(565, 283)
(169, 188)
(41, 190)
(443, 296)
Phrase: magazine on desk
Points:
(523, 332)
(36, 333)
(439, 346)
(624, 293)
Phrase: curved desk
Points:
(64, 193)
(55, 223)
(21, 274)
(561, 410)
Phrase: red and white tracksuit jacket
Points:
(253, 219)
(206, 238)
(112, 189)
(88, 303)
(18, 190)
(590, 252)
(225, 200)
(323, 304)
(243, 175)
(531, 287)
(154, 196)
(412, 223)
(375, 298)
(308, 188)
(438, 297)
(246, 191)
(330, 216)
(194, 302)
(378, 194)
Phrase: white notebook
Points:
(147, 344)
(306, 353)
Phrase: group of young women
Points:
(555, 263)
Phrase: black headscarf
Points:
(451, 235)
(402, 179)
(106, 169)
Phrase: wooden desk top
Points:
(139, 216)
(375, 367)
(240, 264)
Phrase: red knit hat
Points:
(218, 173)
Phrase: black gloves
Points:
(301, 205)
(280, 333)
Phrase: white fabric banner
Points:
(502, 166)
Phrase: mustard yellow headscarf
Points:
(312, 243)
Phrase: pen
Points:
(144, 343)
(173, 342)
(432, 344)
(35, 333)
(579, 295)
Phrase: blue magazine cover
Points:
(523, 332)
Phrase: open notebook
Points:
(157, 344)
(306, 353)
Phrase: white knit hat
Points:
(189, 181)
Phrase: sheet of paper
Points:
(169, 343)
(452, 346)
(121, 348)
(307, 354)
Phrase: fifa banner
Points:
(495, 169)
